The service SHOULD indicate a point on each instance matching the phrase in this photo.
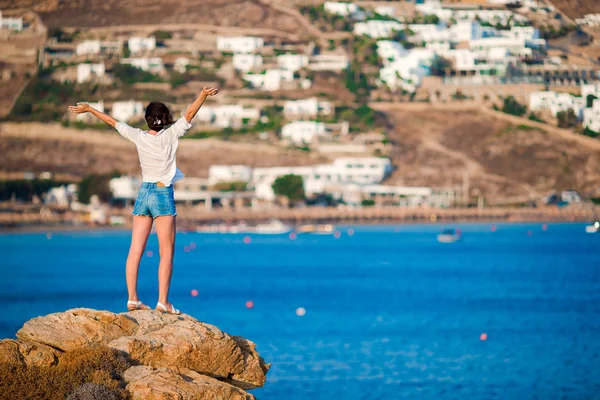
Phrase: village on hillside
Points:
(321, 94)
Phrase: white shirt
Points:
(157, 152)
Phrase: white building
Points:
(406, 68)
(317, 178)
(13, 24)
(62, 196)
(307, 108)
(329, 62)
(239, 44)
(378, 28)
(247, 62)
(125, 187)
(589, 20)
(434, 8)
(126, 110)
(344, 9)
(88, 47)
(590, 89)
(269, 80)
(227, 116)
(90, 72)
(89, 118)
(302, 132)
(292, 62)
(138, 44)
(229, 173)
(591, 117)
(150, 64)
(387, 11)
(556, 102)
(181, 64)
(494, 17)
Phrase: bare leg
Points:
(139, 236)
(165, 229)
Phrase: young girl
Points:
(155, 203)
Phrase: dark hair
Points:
(158, 116)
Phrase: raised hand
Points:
(210, 91)
(80, 108)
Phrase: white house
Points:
(377, 28)
(227, 116)
(239, 44)
(88, 47)
(589, 20)
(591, 117)
(316, 178)
(329, 62)
(407, 69)
(138, 44)
(125, 187)
(269, 80)
(126, 110)
(62, 196)
(150, 64)
(590, 89)
(387, 11)
(90, 72)
(344, 9)
(292, 62)
(229, 173)
(247, 62)
(89, 118)
(434, 7)
(302, 132)
(556, 102)
(307, 108)
(389, 51)
(13, 24)
(181, 64)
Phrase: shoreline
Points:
(84, 228)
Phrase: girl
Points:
(155, 203)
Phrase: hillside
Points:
(577, 8)
(85, 13)
(507, 159)
(49, 147)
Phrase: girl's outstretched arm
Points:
(82, 108)
(195, 106)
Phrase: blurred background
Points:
(391, 198)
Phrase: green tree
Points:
(567, 119)
(96, 185)
(589, 100)
(439, 66)
(290, 186)
(513, 107)
(162, 35)
(588, 132)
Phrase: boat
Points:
(317, 229)
(273, 227)
(593, 228)
(448, 236)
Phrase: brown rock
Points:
(75, 328)
(172, 341)
(29, 353)
(147, 383)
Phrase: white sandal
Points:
(136, 305)
(161, 307)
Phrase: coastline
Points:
(84, 228)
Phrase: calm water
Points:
(390, 313)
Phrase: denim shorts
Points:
(155, 201)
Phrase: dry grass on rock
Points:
(100, 366)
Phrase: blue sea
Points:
(390, 312)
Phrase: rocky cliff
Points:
(88, 354)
